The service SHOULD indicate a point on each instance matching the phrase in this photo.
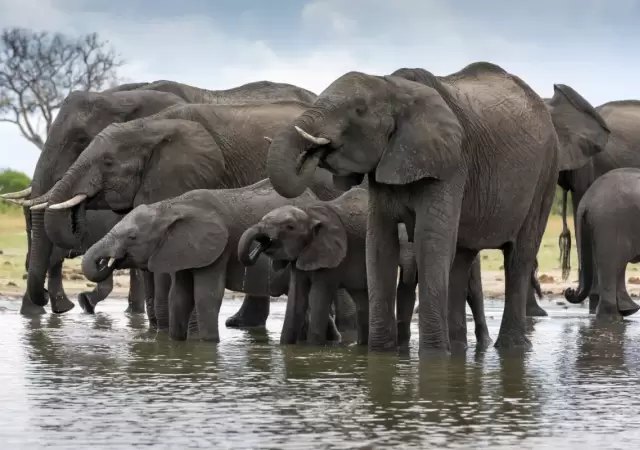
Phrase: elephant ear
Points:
(427, 142)
(582, 132)
(328, 245)
(193, 239)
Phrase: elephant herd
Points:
(343, 201)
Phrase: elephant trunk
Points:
(247, 255)
(564, 241)
(99, 262)
(583, 236)
(292, 160)
(39, 256)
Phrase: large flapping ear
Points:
(582, 132)
(328, 245)
(195, 238)
(427, 142)
(186, 157)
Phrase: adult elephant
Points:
(81, 117)
(622, 150)
(467, 161)
(180, 149)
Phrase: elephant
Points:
(194, 237)
(622, 149)
(81, 117)
(606, 234)
(323, 243)
(468, 161)
(185, 147)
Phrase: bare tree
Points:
(39, 69)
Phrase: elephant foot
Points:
(85, 303)
(627, 307)
(513, 341)
(132, 308)
(249, 317)
(153, 323)
(404, 334)
(30, 309)
(376, 346)
(430, 353)
(483, 339)
(535, 310)
(594, 299)
(608, 313)
(458, 346)
(62, 305)
(210, 337)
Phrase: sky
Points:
(591, 45)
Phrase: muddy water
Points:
(76, 381)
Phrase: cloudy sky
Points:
(592, 45)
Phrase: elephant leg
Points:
(149, 296)
(594, 295)
(533, 307)
(333, 335)
(626, 305)
(322, 294)
(60, 303)
(382, 249)
(361, 299)
(253, 312)
(209, 285)
(192, 332)
(346, 312)
(475, 299)
(609, 274)
(136, 297)
(180, 304)
(296, 312)
(30, 309)
(89, 300)
(162, 286)
(458, 289)
(405, 304)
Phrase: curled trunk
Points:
(247, 255)
(288, 169)
(584, 238)
(98, 263)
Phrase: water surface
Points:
(77, 381)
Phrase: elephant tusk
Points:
(70, 203)
(310, 138)
(39, 206)
(35, 201)
(268, 139)
(19, 194)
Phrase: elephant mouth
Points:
(108, 265)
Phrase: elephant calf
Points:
(606, 233)
(324, 242)
(194, 237)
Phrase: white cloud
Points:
(376, 36)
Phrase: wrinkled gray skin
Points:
(622, 149)
(182, 148)
(467, 161)
(607, 236)
(195, 238)
(81, 117)
(324, 244)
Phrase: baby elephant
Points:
(324, 243)
(606, 232)
(194, 237)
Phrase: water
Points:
(77, 381)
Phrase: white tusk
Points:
(110, 262)
(313, 139)
(20, 194)
(268, 139)
(70, 203)
(40, 206)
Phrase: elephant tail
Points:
(585, 241)
(564, 241)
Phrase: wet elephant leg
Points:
(345, 312)
(149, 297)
(405, 304)
(361, 299)
(136, 297)
(626, 305)
(30, 309)
(594, 295)
(181, 304)
(89, 300)
(458, 288)
(475, 299)
(253, 312)
(209, 285)
(162, 286)
(60, 303)
(192, 331)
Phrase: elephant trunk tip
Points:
(572, 296)
(564, 242)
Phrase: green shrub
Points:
(11, 181)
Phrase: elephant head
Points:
(81, 117)
(163, 237)
(582, 134)
(139, 162)
(364, 124)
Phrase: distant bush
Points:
(556, 207)
(11, 181)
